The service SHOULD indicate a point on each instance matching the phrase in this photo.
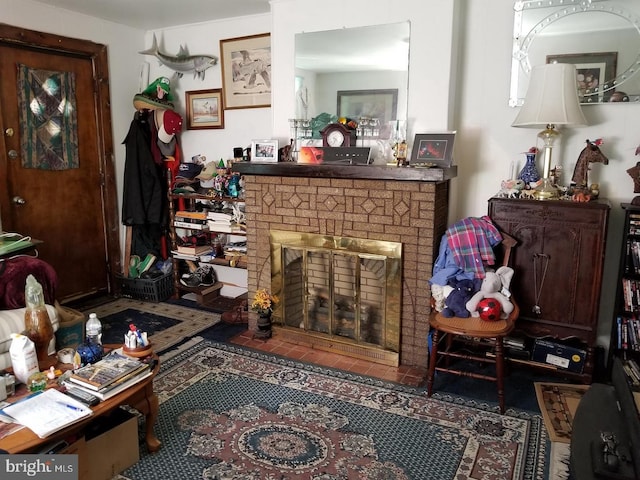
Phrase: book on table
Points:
(106, 371)
(47, 412)
(116, 387)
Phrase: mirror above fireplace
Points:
(350, 59)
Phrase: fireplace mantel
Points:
(407, 205)
(363, 172)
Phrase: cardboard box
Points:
(70, 331)
(561, 356)
(79, 448)
(112, 445)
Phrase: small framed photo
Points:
(265, 151)
(432, 149)
(204, 109)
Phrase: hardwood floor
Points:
(411, 376)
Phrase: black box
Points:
(561, 356)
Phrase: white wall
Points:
(432, 65)
(241, 125)
(486, 143)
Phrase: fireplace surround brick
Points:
(411, 212)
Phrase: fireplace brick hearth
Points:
(403, 205)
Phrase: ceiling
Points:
(157, 14)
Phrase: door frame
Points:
(96, 53)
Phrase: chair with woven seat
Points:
(475, 330)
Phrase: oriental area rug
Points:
(231, 413)
(166, 324)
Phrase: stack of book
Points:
(109, 376)
(194, 249)
(191, 220)
(632, 369)
(628, 330)
(223, 222)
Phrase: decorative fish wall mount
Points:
(183, 62)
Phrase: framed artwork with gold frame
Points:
(246, 71)
(204, 109)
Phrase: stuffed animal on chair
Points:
(495, 285)
(455, 302)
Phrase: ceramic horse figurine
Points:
(590, 154)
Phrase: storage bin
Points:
(147, 289)
(70, 332)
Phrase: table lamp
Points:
(551, 100)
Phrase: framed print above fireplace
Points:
(433, 149)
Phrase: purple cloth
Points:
(13, 278)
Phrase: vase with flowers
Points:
(263, 304)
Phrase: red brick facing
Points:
(411, 212)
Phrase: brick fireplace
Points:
(405, 205)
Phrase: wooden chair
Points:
(473, 329)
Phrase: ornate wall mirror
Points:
(601, 37)
(358, 65)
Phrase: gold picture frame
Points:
(246, 71)
(205, 109)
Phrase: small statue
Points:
(589, 154)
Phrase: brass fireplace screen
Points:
(338, 291)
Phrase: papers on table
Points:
(47, 412)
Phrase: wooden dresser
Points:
(558, 266)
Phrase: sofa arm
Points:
(12, 321)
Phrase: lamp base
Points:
(546, 190)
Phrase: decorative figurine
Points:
(529, 173)
(589, 154)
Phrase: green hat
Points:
(161, 83)
(156, 96)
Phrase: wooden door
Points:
(72, 211)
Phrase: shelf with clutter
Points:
(207, 231)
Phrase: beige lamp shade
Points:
(552, 98)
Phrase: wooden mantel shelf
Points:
(364, 172)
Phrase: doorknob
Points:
(13, 154)
(19, 200)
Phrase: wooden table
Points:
(139, 396)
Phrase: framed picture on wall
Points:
(265, 151)
(204, 109)
(433, 149)
(593, 71)
(246, 71)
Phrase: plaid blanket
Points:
(471, 241)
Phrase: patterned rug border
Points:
(556, 411)
(533, 458)
(191, 320)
